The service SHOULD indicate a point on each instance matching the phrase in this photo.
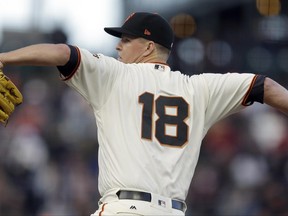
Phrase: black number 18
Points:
(164, 119)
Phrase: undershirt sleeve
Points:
(72, 65)
(256, 91)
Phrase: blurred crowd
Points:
(48, 157)
(48, 151)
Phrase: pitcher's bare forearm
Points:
(37, 55)
(276, 95)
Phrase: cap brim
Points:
(117, 32)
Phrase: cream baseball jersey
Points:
(151, 120)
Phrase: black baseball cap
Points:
(150, 26)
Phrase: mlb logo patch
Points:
(160, 67)
(162, 203)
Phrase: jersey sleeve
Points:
(230, 93)
(91, 75)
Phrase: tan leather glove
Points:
(10, 97)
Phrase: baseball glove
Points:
(10, 97)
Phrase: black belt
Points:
(143, 196)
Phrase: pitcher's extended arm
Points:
(276, 95)
(37, 55)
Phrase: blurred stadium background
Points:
(48, 151)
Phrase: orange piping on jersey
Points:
(77, 65)
(249, 91)
(102, 210)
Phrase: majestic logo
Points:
(133, 207)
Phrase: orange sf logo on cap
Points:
(147, 32)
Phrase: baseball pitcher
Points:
(150, 120)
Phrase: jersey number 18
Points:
(177, 120)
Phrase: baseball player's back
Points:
(150, 125)
(151, 121)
